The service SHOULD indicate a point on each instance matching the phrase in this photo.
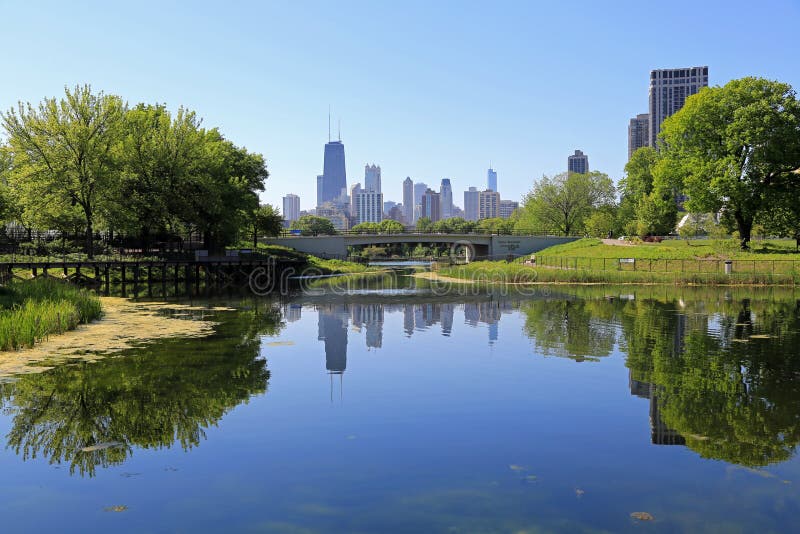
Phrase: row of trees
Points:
(89, 160)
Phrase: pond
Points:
(412, 409)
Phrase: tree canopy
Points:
(730, 147)
(313, 225)
(88, 159)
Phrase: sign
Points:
(627, 260)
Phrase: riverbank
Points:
(124, 324)
(498, 272)
(33, 310)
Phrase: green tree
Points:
(454, 225)
(782, 219)
(156, 155)
(601, 222)
(266, 220)
(63, 152)
(729, 146)
(495, 225)
(313, 225)
(389, 226)
(562, 203)
(635, 186)
(366, 228)
(424, 224)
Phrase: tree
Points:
(366, 228)
(266, 220)
(313, 225)
(63, 152)
(495, 225)
(156, 154)
(563, 202)
(635, 186)
(600, 223)
(782, 219)
(390, 226)
(454, 225)
(424, 224)
(730, 146)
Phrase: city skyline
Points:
(263, 89)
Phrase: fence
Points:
(665, 265)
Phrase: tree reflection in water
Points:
(713, 387)
(149, 397)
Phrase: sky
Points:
(424, 89)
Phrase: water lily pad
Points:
(117, 508)
(642, 516)
(530, 478)
(579, 492)
(515, 467)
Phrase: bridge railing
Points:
(526, 233)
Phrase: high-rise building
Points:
(638, 133)
(291, 208)
(431, 204)
(408, 200)
(372, 178)
(669, 89)
(367, 206)
(488, 204)
(320, 192)
(334, 176)
(355, 189)
(471, 204)
(491, 179)
(506, 208)
(578, 163)
(397, 213)
(419, 190)
(334, 213)
(446, 198)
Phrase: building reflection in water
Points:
(660, 434)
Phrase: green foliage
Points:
(601, 222)
(265, 220)
(729, 146)
(424, 224)
(454, 225)
(313, 225)
(390, 226)
(564, 202)
(30, 311)
(495, 225)
(63, 153)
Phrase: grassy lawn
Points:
(677, 249)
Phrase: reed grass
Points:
(32, 310)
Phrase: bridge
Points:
(492, 246)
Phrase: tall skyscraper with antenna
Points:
(491, 179)
(334, 175)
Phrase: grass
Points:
(722, 249)
(498, 272)
(32, 310)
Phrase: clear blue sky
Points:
(424, 89)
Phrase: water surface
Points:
(402, 409)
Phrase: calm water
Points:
(386, 410)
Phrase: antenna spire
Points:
(340, 130)
(329, 123)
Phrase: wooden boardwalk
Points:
(219, 273)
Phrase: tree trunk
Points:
(745, 225)
(255, 237)
(89, 238)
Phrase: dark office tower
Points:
(431, 205)
(578, 163)
(669, 89)
(638, 133)
(408, 200)
(334, 176)
(320, 190)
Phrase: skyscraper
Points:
(408, 200)
(638, 133)
(334, 176)
(491, 179)
(419, 190)
(471, 204)
(488, 204)
(578, 163)
(446, 198)
(431, 204)
(669, 89)
(320, 192)
(372, 178)
(291, 208)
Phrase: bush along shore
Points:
(32, 310)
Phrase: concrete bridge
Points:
(473, 245)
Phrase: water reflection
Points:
(721, 376)
(91, 415)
